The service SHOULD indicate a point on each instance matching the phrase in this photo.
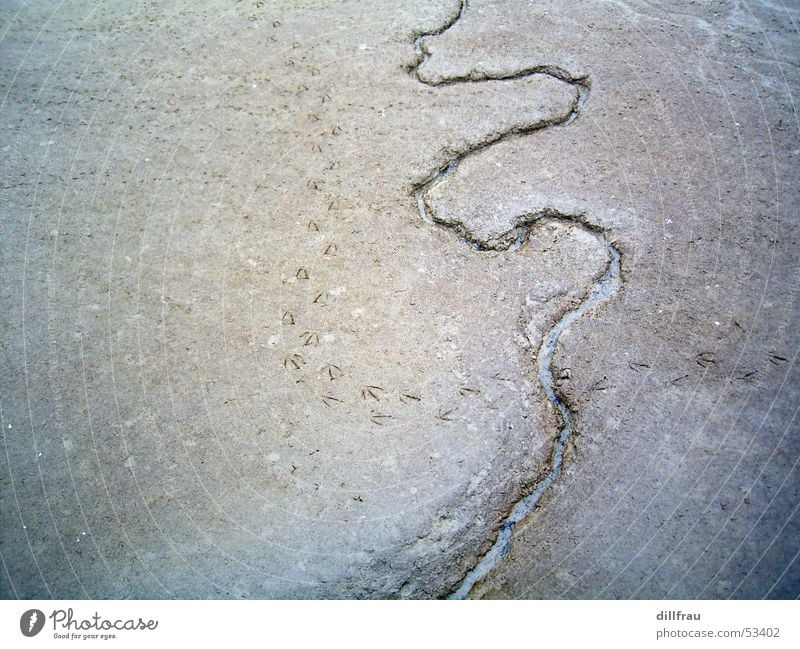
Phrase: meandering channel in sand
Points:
(605, 286)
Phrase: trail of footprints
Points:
(313, 363)
(305, 363)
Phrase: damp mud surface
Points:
(453, 299)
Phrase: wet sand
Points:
(298, 300)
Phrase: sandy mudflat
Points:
(337, 300)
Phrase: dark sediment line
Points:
(601, 290)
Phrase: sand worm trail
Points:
(601, 290)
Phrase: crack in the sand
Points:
(602, 288)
